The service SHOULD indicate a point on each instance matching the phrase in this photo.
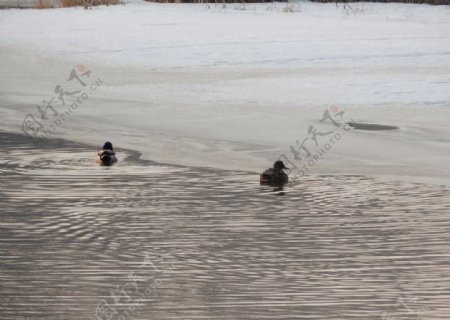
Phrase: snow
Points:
(234, 87)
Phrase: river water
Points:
(141, 240)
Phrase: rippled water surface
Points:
(145, 241)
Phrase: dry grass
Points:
(88, 3)
(43, 4)
(46, 4)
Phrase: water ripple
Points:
(345, 247)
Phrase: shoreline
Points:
(135, 157)
(125, 155)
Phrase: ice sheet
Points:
(235, 87)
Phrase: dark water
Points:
(146, 241)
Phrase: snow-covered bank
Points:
(235, 88)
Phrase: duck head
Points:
(279, 165)
(108, 146)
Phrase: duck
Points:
(275, 175)
(106, 156)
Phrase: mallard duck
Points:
(275, 175)
(106, 156)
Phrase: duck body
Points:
(106, 157)
(273, 177)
